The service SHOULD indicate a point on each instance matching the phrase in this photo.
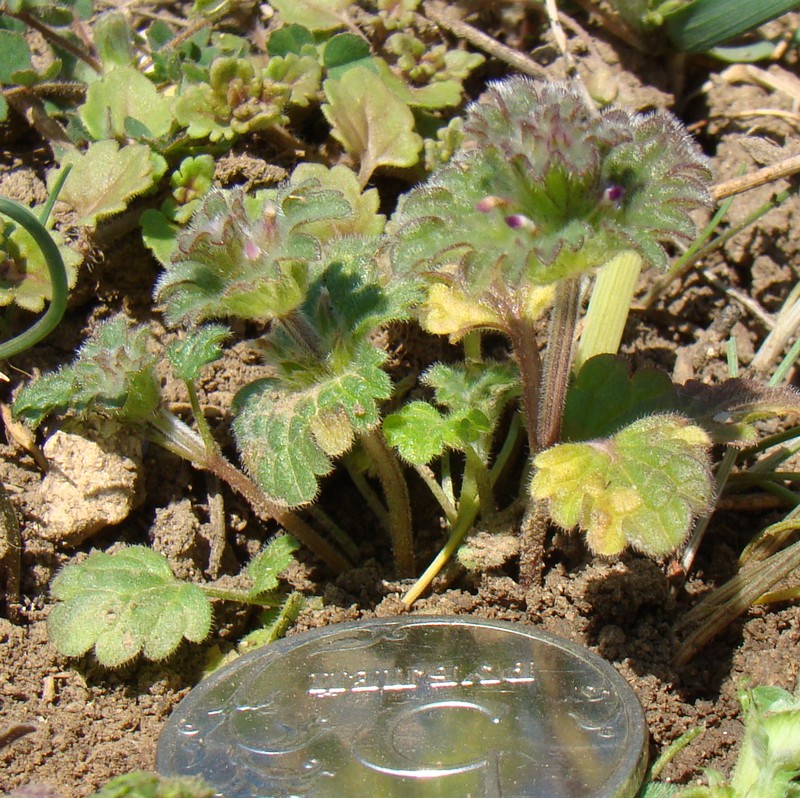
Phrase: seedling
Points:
(541, 192)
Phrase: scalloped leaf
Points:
(123, 604)
(250, 262)
(419, 432)
(24, 276)
(122, 94)
(641, 487)
(113, 374)
(372, 124)
(729, 411)
(200, 347)
(106, 178)
(543, 188)
(239, 98)
(363, 219)
(475, 395)
(604, 398)
(328, 385)
(288, 437)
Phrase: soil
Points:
(71, 725)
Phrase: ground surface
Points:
(72, 725)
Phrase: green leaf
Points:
(238, 99)
(124, 604)
(299, 75)
(437, 94)
(106, 178)
(419, 432)
(313, 14)
(640, 487)
(24, 275)
(275, 621)
(370, 121)
(543, 188)
(700, 25)
(113, 374)
(475, 394)
(254, 263)
(111, 36)
(190, 182)
(265, 568)
(288, 437)
(604, 398)
(121, 94)
(328, 385)
(344, 49)
(363, 219)
(15, 56)
(159, 235)
(289, 39)
(200, 347)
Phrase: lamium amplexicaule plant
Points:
(543, 193)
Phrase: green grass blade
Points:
(703, 24)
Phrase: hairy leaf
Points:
(729, 411)
(288, 437)
(640, 487)
(106, 177)
(200, 347)
(121, 95)
(543, 188)
(328, 384)
(113, 374)
(265, 568)
(370, 121)
(256, 265)
(419, 432)
(474, 395)
(123, 604)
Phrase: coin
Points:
(412, 707)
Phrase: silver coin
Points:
(412, 707)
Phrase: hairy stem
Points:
(483, 481)
(532, 539)
(54, 37)
(396, 492)
(200, 419)
(242, 596)
(429, 478)
(168, 431)
(558, 360)
(526, 349)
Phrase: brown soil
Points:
(72, 724)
